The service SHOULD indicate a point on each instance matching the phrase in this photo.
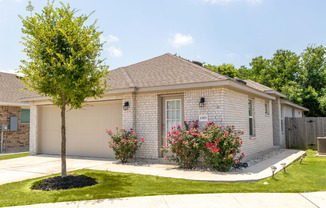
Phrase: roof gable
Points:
(163, 70)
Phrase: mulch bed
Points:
(68, 182)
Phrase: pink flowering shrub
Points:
(183, 142)
(124, 144)
(221, 147)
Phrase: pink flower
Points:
(109, 131)
(243, 155)
(142, 139)
(179, 126)
(131, 129)
(133, 145)
(116, 127)
(109, 145)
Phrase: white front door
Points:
(172, 116)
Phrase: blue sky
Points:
(211, 31)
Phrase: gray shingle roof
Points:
(163, 70)
(257, 86)
(10, 86)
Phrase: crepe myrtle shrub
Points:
(222, 147)
(124, 143)
(183, 142)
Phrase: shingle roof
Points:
(10, 86)
(163, 70)
(257, 86)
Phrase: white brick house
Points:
(151, 97)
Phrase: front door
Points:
(172, 116)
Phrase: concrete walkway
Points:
(41, 165)
(252, 200)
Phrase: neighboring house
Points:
(151, 97)
(14, 113)
(281, 108)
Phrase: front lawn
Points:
(309, 176)
(12, 156)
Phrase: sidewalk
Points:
(257, 172)
(246, 200)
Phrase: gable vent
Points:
(198, 63)
(240, 80)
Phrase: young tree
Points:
(63, 60)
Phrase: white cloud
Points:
(232, 1)
(110, 38)
(179, 40)
(114, 52)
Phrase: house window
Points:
(266, 108)
(282, 119)
(25, 116)
(173, 114)
(251, 117)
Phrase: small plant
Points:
(183, 142)
(124, 144)
(222, 147)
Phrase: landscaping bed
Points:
(64, 183)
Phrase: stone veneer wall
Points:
(14, 141)
(276, 111)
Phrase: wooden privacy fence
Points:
(302, 132)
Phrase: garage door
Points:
(86, 129)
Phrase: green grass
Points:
(309, 176)
(12, 156)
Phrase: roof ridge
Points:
(207, 71)
(128, 78)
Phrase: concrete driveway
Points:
(19, 169)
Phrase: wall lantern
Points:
(202, 102)
(126, 105)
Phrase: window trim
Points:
(282, 120)
(251, 134)
(267, 109)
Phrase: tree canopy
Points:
(302, 78)
(63, 59)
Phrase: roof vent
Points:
(198, 63)
(240, 80)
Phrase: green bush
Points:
(183, 142)
(219, 146)
(222, 147)
(124, 144)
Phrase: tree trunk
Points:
(63, 138)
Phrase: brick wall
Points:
(236, 113)
(14, 140)
(221, 105)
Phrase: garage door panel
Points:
(86, 129)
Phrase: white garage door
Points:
(86, 129)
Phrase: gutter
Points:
(13, 104)
(286, 102)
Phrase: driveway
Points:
(41, 165)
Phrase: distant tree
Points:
(225, 69)
(63, 60)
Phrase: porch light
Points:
(202, 102)
(273, 168)
(126, 105)
(284, 166)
